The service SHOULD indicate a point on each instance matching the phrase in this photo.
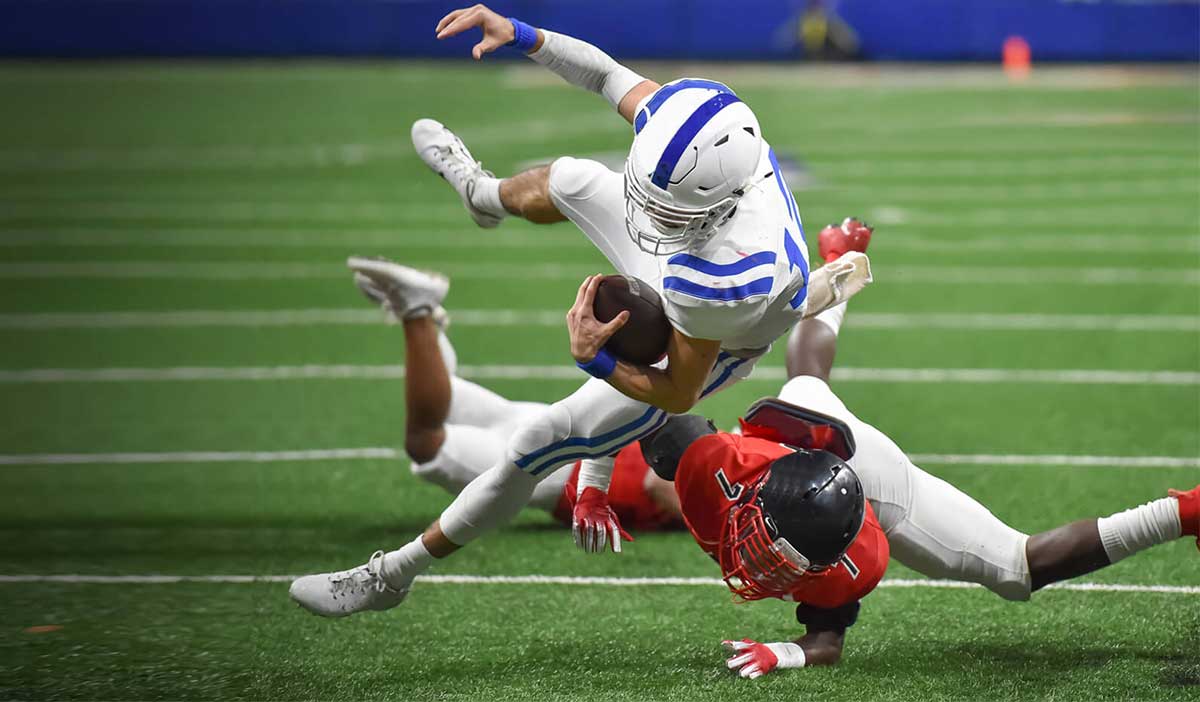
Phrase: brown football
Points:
(643, 339)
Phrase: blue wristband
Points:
(601, 366)
(524, 36)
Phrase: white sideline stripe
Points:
(245, 270)
(64, 459)
(567, 580)
(547, 373)
(450, 239)
(465, 238)
(1055, 460)
(271, 318)
(387, 453)
(554, 318)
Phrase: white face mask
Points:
(662, 229)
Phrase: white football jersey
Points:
(745, 286)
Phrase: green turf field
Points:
(158, 217)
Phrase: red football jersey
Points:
(626, 494)
(712, 475)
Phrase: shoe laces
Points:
(458, 160)
(364, 577)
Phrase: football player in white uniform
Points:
(455, 430)
(701, 213)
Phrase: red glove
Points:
(594, 523)
(852, 234)
(752, 659)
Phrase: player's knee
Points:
(535, 440)
(575, 178)
(423, 445)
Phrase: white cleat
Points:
(347, 592)
(403, 292)
(448, 156)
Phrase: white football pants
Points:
(596, 420)
(932, 526)
(477, 432)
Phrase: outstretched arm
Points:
(577, 62)
(819, 646)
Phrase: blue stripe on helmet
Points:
(691, 127)
(742, 265)
(665, 92)
(761, 286)
(527, 459)
(639, 122)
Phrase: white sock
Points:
(1125, 533)
(833, 317)
(407, 562)
(449, 356)
(486, 196)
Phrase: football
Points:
(643, 339)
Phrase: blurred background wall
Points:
(935, 30)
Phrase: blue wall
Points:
(711, 29)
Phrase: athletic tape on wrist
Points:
(601, 366)
(524, 36)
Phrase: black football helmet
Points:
(800, 518)
(663, 449)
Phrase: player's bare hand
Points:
(589, 334)
(497, 30)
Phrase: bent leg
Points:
(426, 390)
(947, 534)
(466, 453)
(527, 195)
(1091, 544)
(477, 406)
(594, 422)
(593, 198)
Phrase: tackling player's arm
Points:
(676, 388)
(822, 644)
(575, 61)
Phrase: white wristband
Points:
(595, 472)
(790, 655)
(581, 64)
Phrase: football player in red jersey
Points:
(440, 405)
(765, 512)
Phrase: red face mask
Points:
(754, 565)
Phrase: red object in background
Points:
(1017, 58)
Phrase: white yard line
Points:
(1114, 214)
(387, 453)
(550, 373)
(559, 580)
(554, 318)
(64, 459)
(363, 239)
(992, 459)
(245, 270)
